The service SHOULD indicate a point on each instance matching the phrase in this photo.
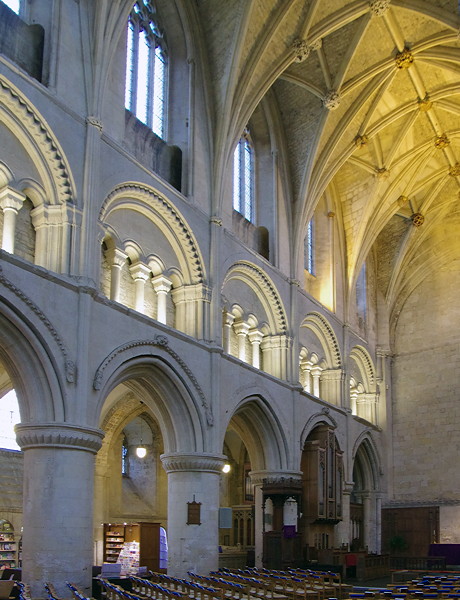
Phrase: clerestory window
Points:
(309, 248)
(243, 178)
(146, 68)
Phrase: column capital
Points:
(11, 199)
(116, 257)
(255, 336)
(204, 462)
(228, 318)
(261, 477)
(241, 327)
(161, 284)
(139, 271)
(191, 293)
(58, 435)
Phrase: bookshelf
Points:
(8, 546)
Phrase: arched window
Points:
(15, 5)
(243, 177)
(146, 71)
(124, 457)
(309, 248)
(361, 293)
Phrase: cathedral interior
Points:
(229, 235)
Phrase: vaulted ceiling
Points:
(368, 109)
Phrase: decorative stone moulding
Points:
(58, 435)
(275, 477)
(361, 140)
(454, 171)
(404, 59)
(402, 200)
(177, 461)
(331, 100)
(379, 7)
(417, 219)
(441, 141)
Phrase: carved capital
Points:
(204, 462)
(58, 435)
(216, 221)
(11, 199)
(139, 271)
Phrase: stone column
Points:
(331, 386)
(228, 320)
(344, 535)
(193, 478)
(162, 286)
(367, 520)
(192, 303)
(305, 378)
(316, 374)
(58, 505)
(275, 352)
(140, 273)
(255, 337)
(241, 329)
(117, 259)
(10, 202)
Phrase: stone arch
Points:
(162, 381)
(366, 367)
(33, 132)
(365, 450)
(148, 202)
(30, 355)
(259, 427)
(265, 289)
(326, 335)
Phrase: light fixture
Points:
(141, 450)
(226, 468)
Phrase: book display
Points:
(132, 545)
(8, 546)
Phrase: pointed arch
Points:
(365, 451)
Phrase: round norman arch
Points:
(32, 131)
(265, 290)
(366, 367)
(321, 327)
(160, 378)
(148, 202)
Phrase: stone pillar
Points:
(58, 505)
(140, 273)
(316, 374)
(241, 329)
(162, 285)
(11, 202)
(275, 353)
(255, 337)
(367, 520)
(193, 478)
(117, 259)
(192, 304)
(331, 386)
(228, 320)
(344, 535)
(305, 377)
